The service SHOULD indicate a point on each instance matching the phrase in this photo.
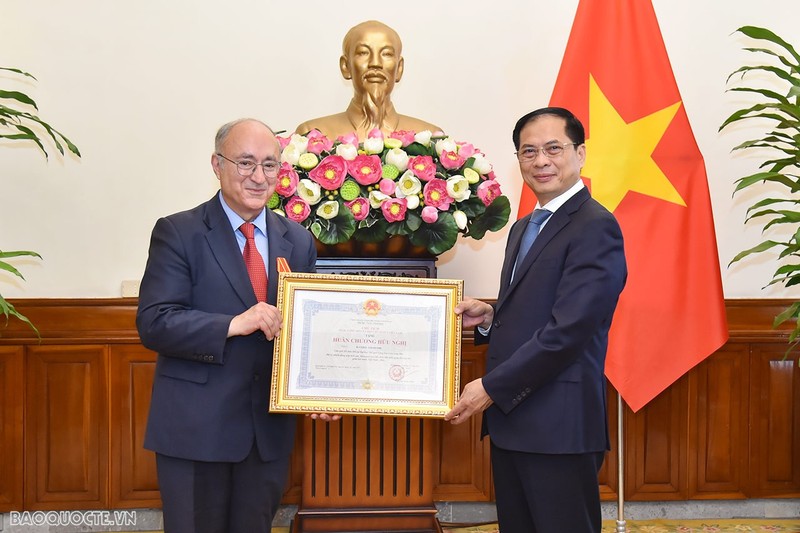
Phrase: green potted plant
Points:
(19, 121)
(778, 89)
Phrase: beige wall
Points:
(142, 86)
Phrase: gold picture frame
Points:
(367, 345)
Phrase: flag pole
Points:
(621, 525)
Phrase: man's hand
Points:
(261, 316)
(473, 400)
(326, 417)
(475, 313)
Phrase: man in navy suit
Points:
(544, 393)
(222, 458)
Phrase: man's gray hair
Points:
(225, 129)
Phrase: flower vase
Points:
(393, 256)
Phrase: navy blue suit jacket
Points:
(210, 393)
(548, 340)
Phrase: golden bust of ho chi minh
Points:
(372, 58)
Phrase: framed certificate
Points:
(367, 345)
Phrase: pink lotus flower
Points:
(284, 142)
(466, 150)
(394, 209)
(488, 191)
(435, 193)
(406, 137)
(297, 209)
(390, 186)
(318, 143)
(330, 172)
(365, 169)
(452, 160)
(423, 167)
(387, 187)
(359, 207)
(430, 214)
(350, 138)
(287, 180)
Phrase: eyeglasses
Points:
(550, 151)
(248, 168)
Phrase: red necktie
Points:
(254, 262)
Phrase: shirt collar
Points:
(260, 221)
(562, 198)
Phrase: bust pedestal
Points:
(369, 473)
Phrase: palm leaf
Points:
(8, 310)
(766, 245)
(19, 97)
(755, 32)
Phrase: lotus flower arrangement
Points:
(429, 189)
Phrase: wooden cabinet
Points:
(11, 409)
(718, 425)
(133, 478)
(774, 423)
(462, 471)
(655, 447)
(66, 427)
(608, 475)
(74, 408)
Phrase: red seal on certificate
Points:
(372, 307)
(396, 372)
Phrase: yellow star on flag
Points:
(619, 155)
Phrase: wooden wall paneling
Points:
(655, 442)
(66, 427)
(608, 475)
(74, 321)
(11, 418)
(463, 472)
(294, 484)
(718, 430)
(673, 446)
(133, 478)
(774, 423)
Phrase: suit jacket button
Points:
(496, 324)
(256, 377)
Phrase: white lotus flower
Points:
(309, 191)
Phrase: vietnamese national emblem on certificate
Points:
(372, 307)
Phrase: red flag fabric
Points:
(643, 164)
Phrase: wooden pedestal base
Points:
(368, 473)
(405, 520)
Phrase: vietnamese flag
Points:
(643, 165)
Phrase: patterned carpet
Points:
(711, 525)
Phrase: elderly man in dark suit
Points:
(544, 392)
(210, 313)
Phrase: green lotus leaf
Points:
(437, 237)
(494, 218)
